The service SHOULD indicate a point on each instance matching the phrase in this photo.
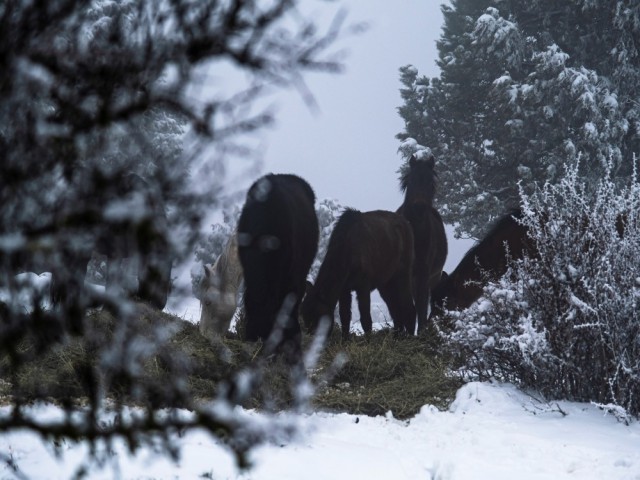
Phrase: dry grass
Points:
(381, 373)
(384, 373)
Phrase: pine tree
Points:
(525, 87)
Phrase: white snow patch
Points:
(491, 431)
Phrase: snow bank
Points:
(491, 431)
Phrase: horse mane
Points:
(286, 179)
(414, 171)
(333, 264)
(496, 227)
(342, 228)
(227, 265)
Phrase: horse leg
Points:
(364, 305)
(421, 299)
(290, 344)
(345, 312)
(397, 296)
(387, 294)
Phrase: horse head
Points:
(313, 310)
(418, 179)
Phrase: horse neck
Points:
(418, 215)
(465, 284)
(418, 204)
(227, 267)
(422, 193)
(329, 284)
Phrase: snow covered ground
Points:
(491, 431)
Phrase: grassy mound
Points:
(385, 373)
(366, 375)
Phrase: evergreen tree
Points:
(525, 87)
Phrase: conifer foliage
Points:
(525, 87)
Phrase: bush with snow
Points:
(566, 321)
(109, 140)
(328, 212)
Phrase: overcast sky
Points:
(347, 149)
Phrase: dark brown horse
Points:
(277, 242)
(417, 181)
(486, 260)
(366, 251)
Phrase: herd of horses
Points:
(401, 254)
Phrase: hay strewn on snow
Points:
(368, 375)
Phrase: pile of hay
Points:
(383, 372)
(367, 375)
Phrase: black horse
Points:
(417, 181)
(277, 242)
(486, 260)
(366, 251)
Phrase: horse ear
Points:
(431, 161)
(412, 161)
(207, 270)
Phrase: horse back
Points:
(295, 225)
(277, 241)
(486, 260)
(381, 244)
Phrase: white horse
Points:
(220, 286)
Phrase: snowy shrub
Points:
(328, 212)
(567, 320)
(113, 136)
